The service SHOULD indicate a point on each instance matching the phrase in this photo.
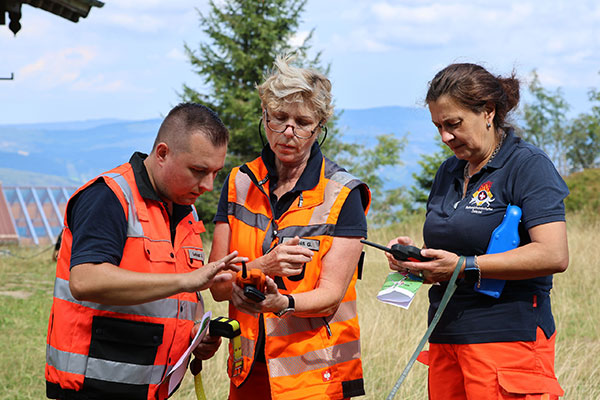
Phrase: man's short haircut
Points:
(186, 119)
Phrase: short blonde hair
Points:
(289, 84)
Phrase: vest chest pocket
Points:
(159, 250)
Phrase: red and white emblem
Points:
(483, 196)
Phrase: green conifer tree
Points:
(429, 164)
(244, 39)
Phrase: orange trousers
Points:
(493, 371)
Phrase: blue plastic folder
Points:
(505, 237)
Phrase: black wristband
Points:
(472, 271)
(291, 307)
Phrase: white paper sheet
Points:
(175, 376)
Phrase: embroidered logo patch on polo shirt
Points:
(481, 199)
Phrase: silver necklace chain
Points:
(466, 170)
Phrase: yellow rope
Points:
(198, 386)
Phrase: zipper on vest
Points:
(300, 200)
(327, 327)
(262, 182)
(245, 169)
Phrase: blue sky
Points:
(126, 60)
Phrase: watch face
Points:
(472, 275)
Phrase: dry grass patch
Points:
(389, 334)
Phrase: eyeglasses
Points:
(299, 130)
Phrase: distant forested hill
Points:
(73, 152)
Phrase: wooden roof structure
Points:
(68, 9)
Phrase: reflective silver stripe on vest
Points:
(342, 177)
(241, 213)
(330, 195)
(64, 361)
(338, 174)
(292, 324)
(247, 347)
(306, 231)
(114, 371)
(242, 186)
(187, 309)
(134, 226)
(165, 308)
(317, 359)
(105, 370)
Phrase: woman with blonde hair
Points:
(299, 218)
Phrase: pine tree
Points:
(244, 39)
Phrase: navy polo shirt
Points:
(521, 175)
(97, 220)
(352, 221)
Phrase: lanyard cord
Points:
(438, 314)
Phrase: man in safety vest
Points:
(131, 265)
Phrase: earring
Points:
(488, 126)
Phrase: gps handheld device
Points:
(253, 282)
(400, 252)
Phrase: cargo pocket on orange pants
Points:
(529, 385)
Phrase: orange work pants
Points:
(493, 371)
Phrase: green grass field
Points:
(389, 334)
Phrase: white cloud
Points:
(550, 77)
(6, 145)
(138, 50)
(401, 13)
(176, 54)
(143, 23)
(58, 68)
(99, 84)
(144, 5)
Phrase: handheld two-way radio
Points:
(400, 252)
(253, 282)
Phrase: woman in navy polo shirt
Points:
(485, 347)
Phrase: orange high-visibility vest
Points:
(125, 351)
(315, 357)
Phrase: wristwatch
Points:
(472, 271)
(291, 307)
